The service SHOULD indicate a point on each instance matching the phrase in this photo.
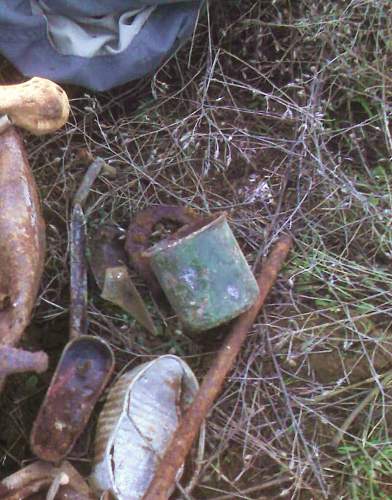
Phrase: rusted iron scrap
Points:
(141, 229)
(86, 363)
(78, 274)
(22, 239)
(14, 360)
(181, 443)
(40, 106)
(78, 244)
(80, 377)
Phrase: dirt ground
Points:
(278, 113)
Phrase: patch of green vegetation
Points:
(369, 468)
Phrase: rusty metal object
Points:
(36, 481)
(78, 275)
(14, 360)
(78, 263)
(84, 368)
(107, 260)
(80, 377)
(204, 273)
(141, 229)
(38, 105)
(186, 432)
(22, 239)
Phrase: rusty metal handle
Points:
(78, 263)
(186, 432)
(14, 360)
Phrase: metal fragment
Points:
(78, 274)
(107, 260)
(119, 289)
(14, 360)
(88, 180)
(82, 373)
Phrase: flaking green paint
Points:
(205, 276)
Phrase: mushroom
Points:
(38, 105)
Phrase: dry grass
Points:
(276, 112)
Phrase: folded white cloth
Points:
(90, 36)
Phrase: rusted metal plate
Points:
(136, 424)
(22, 239)
(82, 373)
(204, 273)
(139, 234)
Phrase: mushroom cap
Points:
(38, 105)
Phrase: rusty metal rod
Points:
(78, 263)
(14, 360)
(186, 432)
(78, 271)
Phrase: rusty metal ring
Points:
(140, 231)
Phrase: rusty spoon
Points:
(86, 363)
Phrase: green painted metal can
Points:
(204, 273)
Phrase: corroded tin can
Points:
(138, 420)
(204, 274)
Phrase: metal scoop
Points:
(85, 365)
